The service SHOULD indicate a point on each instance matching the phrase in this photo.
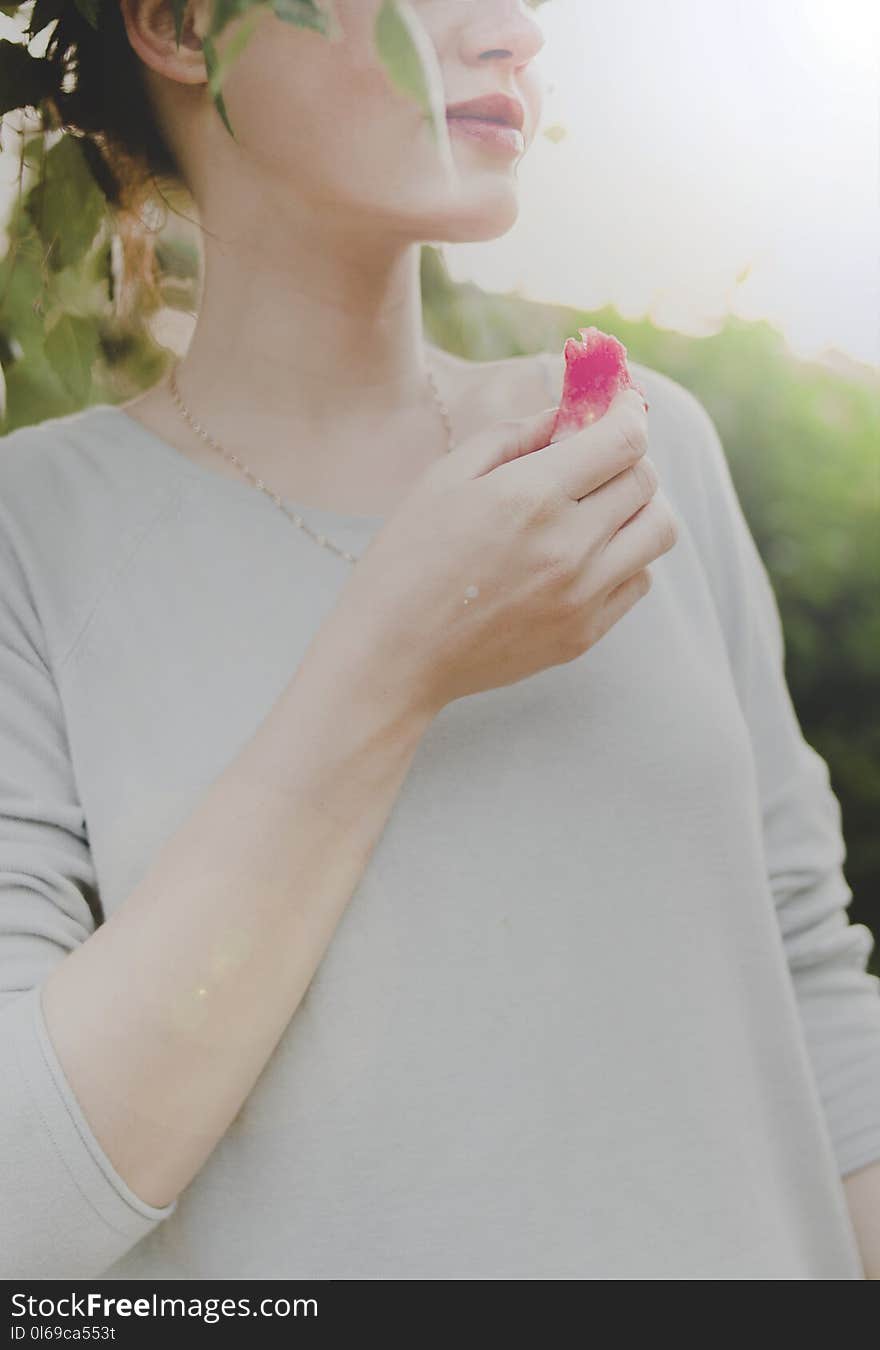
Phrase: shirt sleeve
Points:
(838, 998)
(66, 1212)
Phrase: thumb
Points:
(508, 440)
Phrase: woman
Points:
(470, 911)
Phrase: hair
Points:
(98, 92)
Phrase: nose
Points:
(500, 30)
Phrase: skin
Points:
(312, 241)
(862, 1189)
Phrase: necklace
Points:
(297, 519)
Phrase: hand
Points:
(557, 540)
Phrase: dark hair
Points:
(108, 103)
(98, 92)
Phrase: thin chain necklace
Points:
(297, 519)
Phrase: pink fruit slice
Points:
(595, 372)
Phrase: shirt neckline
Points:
(238, 487)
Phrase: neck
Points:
(306, 329)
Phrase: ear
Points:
(150, 28)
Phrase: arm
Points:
(126, 1048)
(838, 999)
(862, 1189)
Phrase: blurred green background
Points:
(802, 439)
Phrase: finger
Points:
(650, 533)
(590, 457)
(614, 503)
(637, 585)
(507, 440)
(622, 599)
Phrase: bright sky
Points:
(703, 137)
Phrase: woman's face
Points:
(324, 117)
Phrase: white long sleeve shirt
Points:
(595, 1010)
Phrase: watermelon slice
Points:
(595, 371)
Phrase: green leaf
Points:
(212, 64)
(66, 204)
(34, 149)
(178, 9)
(300, 13)
(71, 348)
(410, 58)
(304, 14)
(80, 291)
(224, 11)
(234, 47)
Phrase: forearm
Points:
(165, 1016)
(863, 1197)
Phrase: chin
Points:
(480, 210)
(477, 234)
(489, 216)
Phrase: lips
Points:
(490, 108)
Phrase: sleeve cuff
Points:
(68, 1133)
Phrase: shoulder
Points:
(74, 494)
(85, 456)
(485, 391)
